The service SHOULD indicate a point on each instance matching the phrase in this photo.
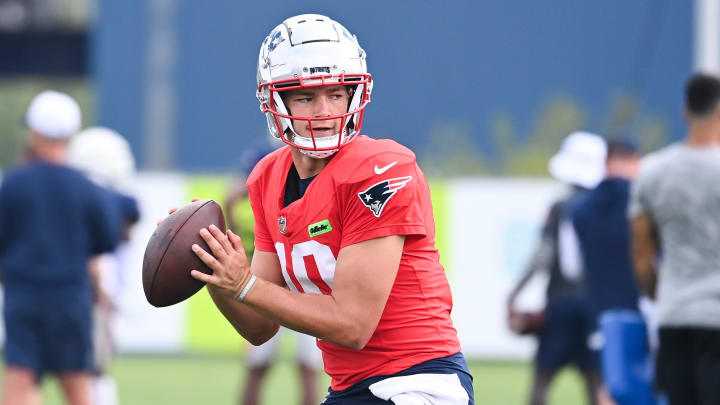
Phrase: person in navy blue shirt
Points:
(603, 230)
(52, 220)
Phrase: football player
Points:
(104, 156)
(344, 233)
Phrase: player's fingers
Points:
(236, 242)
(206, 257)
(238, 246)
(221, 237)
(194, 199)
(215, 247)
(206, 278)
(172, 210)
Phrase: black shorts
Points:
(688, 366)
(360, 393)
(564, 340)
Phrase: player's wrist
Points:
(240, 297)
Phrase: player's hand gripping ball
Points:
(169, 257)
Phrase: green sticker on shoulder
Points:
(319, 228)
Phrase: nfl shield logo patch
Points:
(282, 224)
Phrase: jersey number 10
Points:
(308, 267)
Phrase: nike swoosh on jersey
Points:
(381, 170)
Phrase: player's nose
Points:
(321, 107)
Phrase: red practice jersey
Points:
(369, 189)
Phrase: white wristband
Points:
(247, 288)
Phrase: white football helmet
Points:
(309, 51)
(104, 156)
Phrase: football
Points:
(527, 323)
(169, 258)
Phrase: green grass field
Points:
(218, 381)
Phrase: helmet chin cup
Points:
(318, 154)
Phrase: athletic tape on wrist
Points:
(247, 288)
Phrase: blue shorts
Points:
(48, 332)
(359, 393)
(627, 364)
(564, 339)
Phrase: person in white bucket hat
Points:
(580, 161)
(565, 325)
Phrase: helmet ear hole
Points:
(280, 105)
(356, 97)
(285, 106)
(351, 90)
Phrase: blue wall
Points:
(434, 63)
(118, 49)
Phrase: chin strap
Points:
(318, 154)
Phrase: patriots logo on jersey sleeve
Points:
(377, 196)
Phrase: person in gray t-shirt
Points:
(675, 215)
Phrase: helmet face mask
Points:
(309, 52)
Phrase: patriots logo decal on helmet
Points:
(377, 196)
(275, 39)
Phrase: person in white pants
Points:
(260, 358)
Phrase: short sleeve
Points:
(552, 219)
(130, 209)
(4, 210)
(263, 240)
(105, 218)
(639, 202)
(392, 203)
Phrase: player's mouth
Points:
(323, 130)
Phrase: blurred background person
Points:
(260, 359)
(602, 227)
(603, 230)
(675, 216)
(238, 213)
(52, 220)
(104, 156)
(568, 322)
